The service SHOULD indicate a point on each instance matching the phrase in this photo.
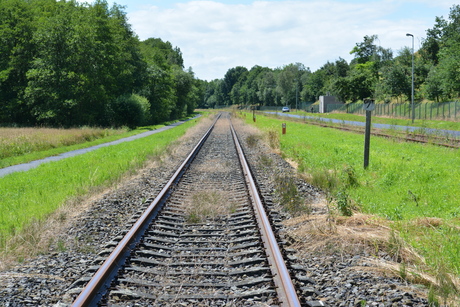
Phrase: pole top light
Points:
(408, 34)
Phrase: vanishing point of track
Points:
(205, 240)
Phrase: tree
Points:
(66, 64)
(232, 76)
(433, 85)
(432, 43)
(171, 91)
(289, 81)
(365, 51)
(314, 86)
(362, 81)
(440, 51)
(395, 80)
(213, 95)
(267, 87)
(84, 57)
(183, 83)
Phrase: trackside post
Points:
(368, 106)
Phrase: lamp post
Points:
(412, 95)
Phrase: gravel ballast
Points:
(338, 279)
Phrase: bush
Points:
(129, 110)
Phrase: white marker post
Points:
(369, 106)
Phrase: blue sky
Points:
(217, 35)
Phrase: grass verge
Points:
(414, 187)
(31, 196)
(22, 145)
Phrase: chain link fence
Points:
(427, 111)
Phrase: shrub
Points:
(343, 203)
(289, 196)
(273, 139)
(129, 110)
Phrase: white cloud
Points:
(215, 37)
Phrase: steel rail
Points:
(410, 138)
(97, 286)
(283, 282)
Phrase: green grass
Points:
(30, 152)
(405, 182)
(32, 195)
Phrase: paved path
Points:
(440, 132)
(27, 166)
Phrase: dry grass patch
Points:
(215, 166)
(359, 233)
(209, 205)
(368, 235)
(19, 141)
(293, 163)
(433, 222)
(326, 234)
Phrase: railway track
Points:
(402, 136)
(205, 240)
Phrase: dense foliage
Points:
(373, 72)
(68, 64)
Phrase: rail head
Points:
(283, 282)
(97, 286)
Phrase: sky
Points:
(215, 36)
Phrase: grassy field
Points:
(32, 195)
(414, 187)
(22, 145)
(21, 141)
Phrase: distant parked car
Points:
(286, 109)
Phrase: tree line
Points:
(373, 73)
(65, 64)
